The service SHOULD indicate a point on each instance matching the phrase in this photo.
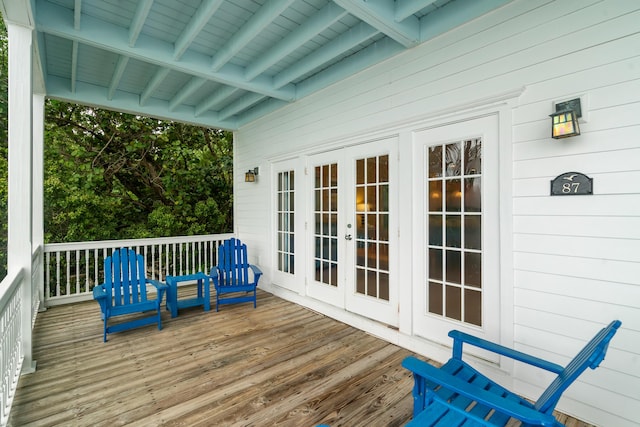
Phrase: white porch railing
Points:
(11, 354)
(71, 270)
(36, 282)
(12, 305)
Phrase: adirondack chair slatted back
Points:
(589, 357)
(446, 393)
(124, 292)
(233, 263)
(125, 277)
(231, 275)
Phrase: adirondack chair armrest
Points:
(456, 385)
(101, 296)
(256, 272)
(161, 287)
(460, 337)
(99, 292)
(215, 275)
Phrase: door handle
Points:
(348, 237)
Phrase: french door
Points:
(352, 229)
(286, 271)
(456, 250)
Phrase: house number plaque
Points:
(571, 184)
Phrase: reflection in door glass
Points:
(454, 220)
(285, 213)
(372, 227)
(326, 228)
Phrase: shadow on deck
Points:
(277, 365)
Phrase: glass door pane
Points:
(326, 223)
(288, 252)
(454, 222)
(372, 227)
(285, 223)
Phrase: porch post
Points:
(20, 175)
(37, 226)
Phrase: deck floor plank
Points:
(277, 365)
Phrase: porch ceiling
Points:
(219, 63)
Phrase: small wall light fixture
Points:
(250, 175)
(564, 122)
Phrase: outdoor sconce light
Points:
(564, 122)
(250, 176)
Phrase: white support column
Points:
(20, 174)
(37, 226)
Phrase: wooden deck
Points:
(277, 365)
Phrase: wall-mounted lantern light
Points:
(564, 122)
(250, 175)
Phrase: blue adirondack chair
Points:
(231, 275)
(458, 395)
(124, 291)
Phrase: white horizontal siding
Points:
(612, 206)
(627, 227)
(575, 258)
(598, 248)
(625, 161)
(586, 268)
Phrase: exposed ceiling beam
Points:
(241, 104)
(454, 14)
(153, 84)
(341, 44)
(317, 23)
(139, 18)
(250, 30)
(372, 54)
(218, 96)
(202, 16)
(117, 76)
(86, 94)
(259, 110)
(74, 65)
(52, 19)
(77, 13)
(193, 85)
(406, 8)
(380, 15)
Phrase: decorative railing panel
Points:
(36, 283)
(11, 355)
(71, 270)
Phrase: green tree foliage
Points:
(110, 175)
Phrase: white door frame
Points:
(293, 282)
(426, 325)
